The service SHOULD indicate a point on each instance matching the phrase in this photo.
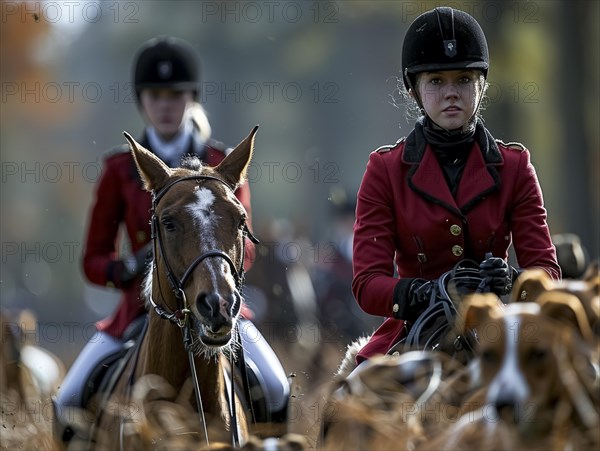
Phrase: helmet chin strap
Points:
(415, 93)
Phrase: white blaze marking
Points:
(200, 210)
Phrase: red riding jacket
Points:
(407, 215)
(121, 199)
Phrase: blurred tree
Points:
(578, 104)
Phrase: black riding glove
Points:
(411, 298)
(133, 265)
(498, 274)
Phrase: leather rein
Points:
(180, 317)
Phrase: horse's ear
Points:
(153, 171)
(233, 168)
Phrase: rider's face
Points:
(450, 98)
(164, 109)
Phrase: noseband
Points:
(177, 284)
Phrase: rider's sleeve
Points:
(373, 282)
(100, 263)
(530, 231)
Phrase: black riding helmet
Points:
(166, 62)
(443, 39)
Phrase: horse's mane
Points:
(147, 285)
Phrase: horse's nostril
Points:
(202, 304)
(211, 305)
(207, 304)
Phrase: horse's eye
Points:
(168, 224)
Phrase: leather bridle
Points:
(177, 284)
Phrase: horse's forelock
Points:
(192, 162)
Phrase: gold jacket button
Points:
(395, 308)
(457, 250)
(140, 236)
(455, 229)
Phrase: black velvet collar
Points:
(415, 144)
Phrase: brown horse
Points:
(194, 289)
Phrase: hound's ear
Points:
(592, 273)
(530, 284)
(27, 320)
(475, 309)
(233, 168)
(152, 170)
(567, 309)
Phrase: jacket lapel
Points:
(478, 180)
(479, 177)
(428, 180)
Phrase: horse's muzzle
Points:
(216, 318)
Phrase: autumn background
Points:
(319, 77)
